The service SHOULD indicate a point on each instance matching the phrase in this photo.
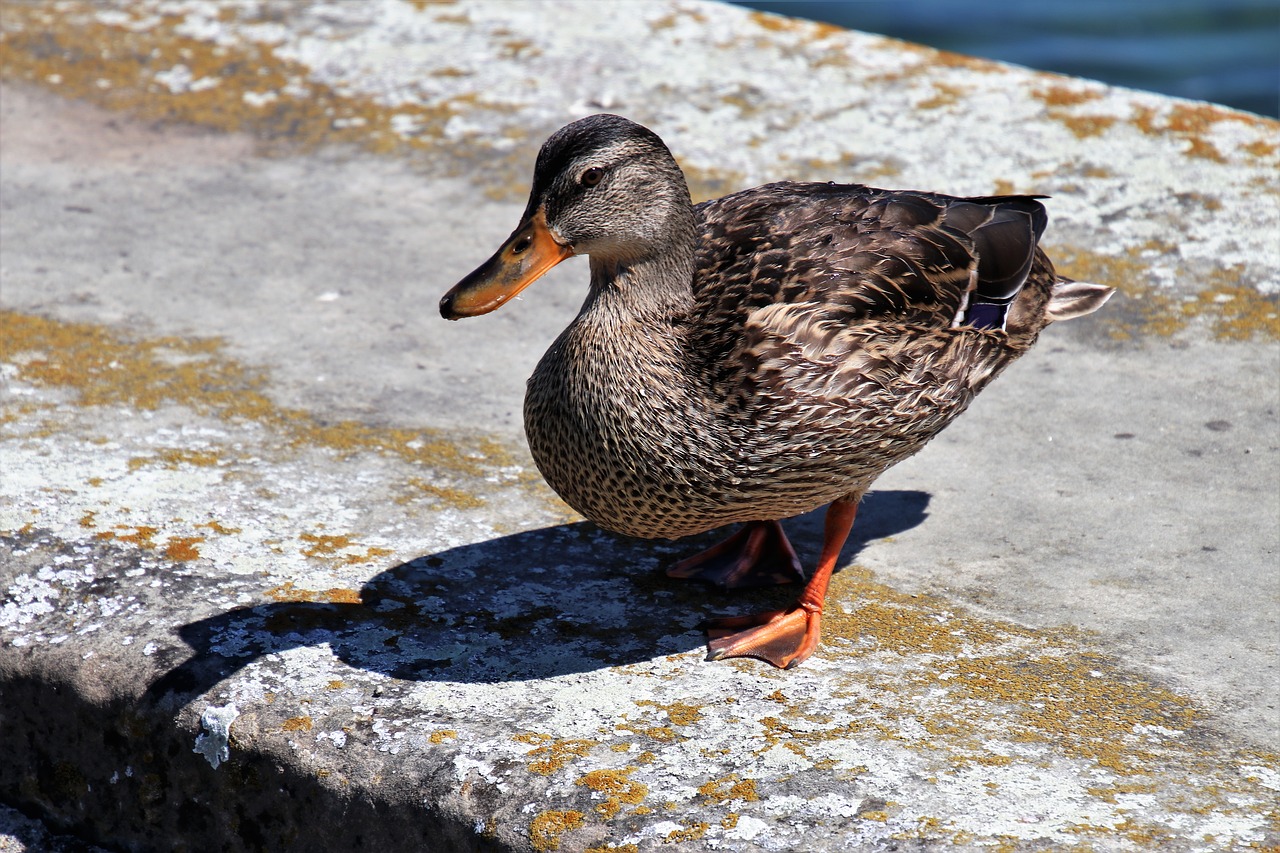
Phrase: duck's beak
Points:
(529, 252)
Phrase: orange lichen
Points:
(658, 733)
(297, 724)
(182, 548)
(945, 95)
(219, 529)
(288, 592)
(142, 535)
(617, 787)
(1260, 148)
(1061, 95)
(551, 755)
(731, 787)
(339, 548)
(692, 832)
(545, 829)
(1060, 100)
(1191, 122)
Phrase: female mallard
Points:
(758, 356)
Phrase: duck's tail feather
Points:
(1076, 298)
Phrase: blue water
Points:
(1225, 51)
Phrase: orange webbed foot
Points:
(783, 638)
(758, 554)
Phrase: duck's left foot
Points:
(758, 554)
(783, 638)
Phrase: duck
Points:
(758, 356)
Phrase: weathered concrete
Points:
(246, 469)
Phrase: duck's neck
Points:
(645, 292)
(652, 288)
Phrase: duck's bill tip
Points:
(527, 254)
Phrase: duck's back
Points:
(862, 255)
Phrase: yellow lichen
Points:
(245, 86)
(176, 457)
(658, 733)
(107, 370)
(679, 713)
(1046, 688)
(1230, 310)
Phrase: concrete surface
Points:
(247, 475)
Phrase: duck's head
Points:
(603, 186)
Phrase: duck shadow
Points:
(532, 605)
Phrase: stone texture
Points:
(247, 469)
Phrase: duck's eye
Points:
(592, 176)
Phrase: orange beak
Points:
(529, 252)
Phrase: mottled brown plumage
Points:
(760, 355)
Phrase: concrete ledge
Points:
(253, 487)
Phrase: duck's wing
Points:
(844, 274)
(862, 252)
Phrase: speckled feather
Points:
(814, 336)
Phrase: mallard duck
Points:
(757, 356)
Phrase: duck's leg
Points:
(758, 554)
(786, 637)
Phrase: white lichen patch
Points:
(212, 743)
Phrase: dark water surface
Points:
(1226, 51)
